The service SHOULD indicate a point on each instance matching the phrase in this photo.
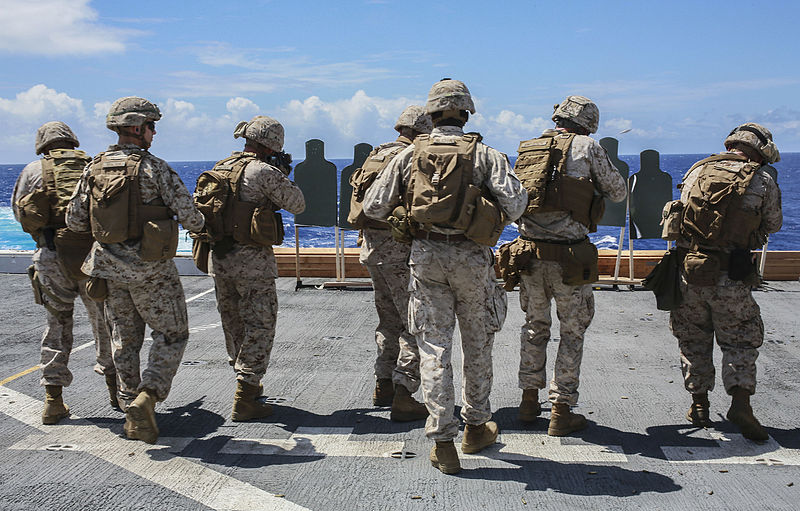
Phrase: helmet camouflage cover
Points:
(416, 118)
(54, 131)
(580, 110)
(756, 136)
(262, 129)
(448, 94)
(131, 111)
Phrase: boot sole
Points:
(148, 433)
(54, 419)
(743, 427)
(444, 469)
(565, 432)
(472, 449)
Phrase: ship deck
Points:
(327, 448)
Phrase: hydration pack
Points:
(362, 179)
(541, 168)
(229, 219)
(713, 215)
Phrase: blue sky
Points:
(678, 74)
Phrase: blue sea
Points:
(13, 238)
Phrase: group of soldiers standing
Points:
(430, 206)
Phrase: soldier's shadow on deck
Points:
(286, 446)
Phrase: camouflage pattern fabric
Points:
(57, 340)
(248, 309)
(159, 303)
(398, 355)
(726, 310)
(729, 313)
(586, 159)
(449, 281)
(244, 278)
(575, 308)
(121, 261)
(260, 181)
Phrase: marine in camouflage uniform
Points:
(244, 277)
(397, 361)
(725, 308)
(140, 292)
(542, 282)
(60, 291)
(453, 277)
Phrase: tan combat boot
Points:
(741, 414)
(405, 408)
(111, 383)
(246, 405)
(384, 392)
(563, 421)
(529, 408)
(445, 457)
(140, 418)
(699, 413)
(478, 437)
(54, 407)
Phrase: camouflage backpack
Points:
(362, 179)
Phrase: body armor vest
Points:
(440, 190)
(713, 215)
(47, 206)
(363, 178)
(541, 167)
(230, 219)
(116, 210)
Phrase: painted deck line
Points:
(192, 480)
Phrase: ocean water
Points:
(788, 238)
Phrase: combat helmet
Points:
(416, 118)
(756, 136)
(580, 110)
(448, 94)
(54, 131)
(262, 129)
(131, 111)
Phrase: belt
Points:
(438, 236)
(555, 242)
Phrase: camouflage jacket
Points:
(121, 261)
(587, 159)
(260, 181)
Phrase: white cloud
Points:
(57, 27)
(619, 124)
(241, 107)
(40, 102)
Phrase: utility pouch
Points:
(497, 307)
(200, 251)
(514, 258)
(466, 215)
(399, 225)
(97, 289)
(33, 275)
(596, 211)
(665, 281)
(72, 248)
(580, 264)
(701, 269)
(487, 222)
(671, 220)
(111, 207)
(266, 227)
(742, 266)
(34, 211)
(159, 240)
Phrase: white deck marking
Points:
(195, 297)
(512, 446)
(313, 442)
(734, 449)
(192, 480)
(524, 445)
